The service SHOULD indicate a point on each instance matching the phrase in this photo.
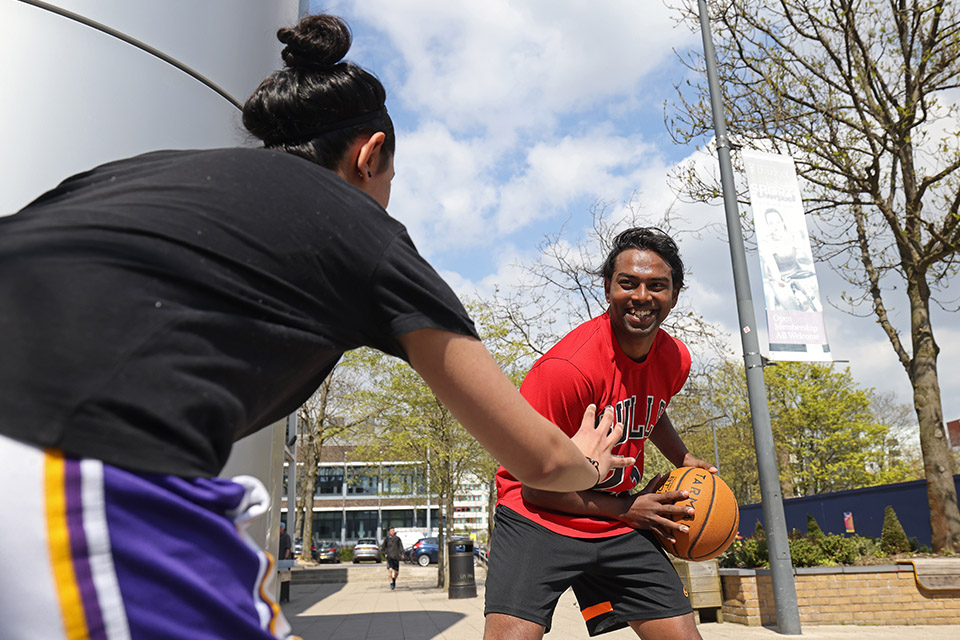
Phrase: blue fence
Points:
(908, 499)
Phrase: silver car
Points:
(366, 549)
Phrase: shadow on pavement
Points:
(409, 625)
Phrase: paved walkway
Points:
(369, 610)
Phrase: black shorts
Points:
(616, 580)
(393, 563)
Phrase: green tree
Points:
(409, 423)
(814, 532)
(859, 93)
(329, 412)
(825, 432)
(893, 539)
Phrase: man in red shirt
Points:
(601, 542)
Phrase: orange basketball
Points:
(716, 514)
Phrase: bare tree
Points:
(329, 412)
(564, 287)
(409, 423)
(857, 91)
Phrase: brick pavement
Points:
(366, 609)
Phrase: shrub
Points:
(840, 550)
(867, 547)
(807, 553)
(827, 550)
(758, 531)
(893, 539)
(747, 552)
(814, 532)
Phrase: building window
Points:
(326, 525)
(362, 481)
(361, 524)
(329, 481)
(405, 479)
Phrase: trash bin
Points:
(462, 583)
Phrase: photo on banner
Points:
(795, 328)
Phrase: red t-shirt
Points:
(588, 366)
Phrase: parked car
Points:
(480, 555)
(366, 549)
(424, 551)
(298, 547)
(326, 551)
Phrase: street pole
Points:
(290, 453)
(716, 450)
(781, 568)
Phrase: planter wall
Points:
(879, 595)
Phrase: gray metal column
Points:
(784, 590)
(290, 452)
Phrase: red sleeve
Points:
(559, 392)
(685, 363)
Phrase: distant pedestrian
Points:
(285, 552)
(392, 549)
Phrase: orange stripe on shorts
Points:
(597, 610)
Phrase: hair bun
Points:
(318, 41)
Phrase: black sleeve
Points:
(407, 294)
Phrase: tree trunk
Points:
(441, 548)
(937, 461)
(309, 488)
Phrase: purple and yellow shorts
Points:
(93, 552)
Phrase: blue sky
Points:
(515, 117)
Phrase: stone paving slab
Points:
(366, 610)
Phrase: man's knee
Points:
(676, 628)
(499, 626)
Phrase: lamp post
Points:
(781, 568)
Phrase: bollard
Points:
(462, 583)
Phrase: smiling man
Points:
(601, 542)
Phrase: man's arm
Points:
(668, 441)
(643, 510)
(465, 377)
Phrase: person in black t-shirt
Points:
(392, 550)
(156, 309)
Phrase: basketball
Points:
(716, 514)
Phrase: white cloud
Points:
(504, 65)
(452, 191)
(443, 186)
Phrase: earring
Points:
(369, 175)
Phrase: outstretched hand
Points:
(596, 442)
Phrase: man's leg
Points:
(677, 628)
(633, 583)
(499, 626)
(529, 569)
(393, 569)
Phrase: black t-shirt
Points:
(157, 308)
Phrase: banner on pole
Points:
(791, 294)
